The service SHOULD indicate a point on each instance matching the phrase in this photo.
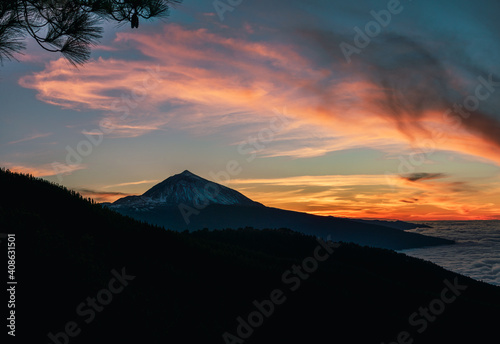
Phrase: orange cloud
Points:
(132, 183)
(44, 170)
(369, 196)
(100, 196)
(197, 79)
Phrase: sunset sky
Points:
(285, 97)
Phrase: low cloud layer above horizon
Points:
(408, 119)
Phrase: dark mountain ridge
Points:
(188, 202)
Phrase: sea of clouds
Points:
(476, 253)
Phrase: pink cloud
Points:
(200, 79)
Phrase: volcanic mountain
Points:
(189, 189)
(186, 201)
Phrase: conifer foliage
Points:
(69, 27)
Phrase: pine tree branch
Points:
(66, 26)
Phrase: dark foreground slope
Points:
(193, 287)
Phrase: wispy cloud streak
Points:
(131, 183)
(30, 138)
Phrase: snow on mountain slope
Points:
(186, 188)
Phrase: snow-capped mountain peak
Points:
(189, 189)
